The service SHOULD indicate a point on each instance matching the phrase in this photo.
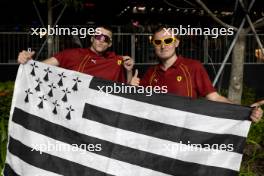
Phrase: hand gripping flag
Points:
(67, 123)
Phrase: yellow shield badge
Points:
(179, 78)
(119, 62)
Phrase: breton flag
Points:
(64, 123)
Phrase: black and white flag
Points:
(64, 123)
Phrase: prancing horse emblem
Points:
(179, 78)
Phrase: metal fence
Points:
(203, 48)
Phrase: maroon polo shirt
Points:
(186, 77)
(109, 66)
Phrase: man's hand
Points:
(135, 79)
(257, 113)
(128, 63)
(259, 103)
(24, 56)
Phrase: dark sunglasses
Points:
(166, 41)
(103, 38)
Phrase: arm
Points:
(214, 96)
(24, 56)
(128, 64)
(51, 61)
(129, 76)
(259, 103)
(256, 113)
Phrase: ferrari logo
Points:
(179, 78)
(119, 62)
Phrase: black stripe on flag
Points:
(198, 106)
(160, 130)
(116, 151)
(54, 164)
(8, 171)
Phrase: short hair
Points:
(161, 27)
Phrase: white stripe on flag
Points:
(167, 115)
(83, 157)
(25, 169)
(155, 145)
(164, 147)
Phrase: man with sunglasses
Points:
(182, 76)
(95, 61)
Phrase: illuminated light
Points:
(141, 8)
(128, 7)
(177, 10)
(161, 9)
(169, 9)
(134, 9)
(152, 9)
(226, 13)
(150, 38)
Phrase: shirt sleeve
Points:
(203, 82)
